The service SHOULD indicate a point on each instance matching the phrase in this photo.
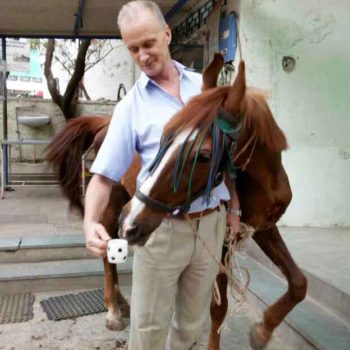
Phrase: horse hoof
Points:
(125, 310)
(115, 324)
(256, 342)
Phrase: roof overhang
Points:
(72, 18)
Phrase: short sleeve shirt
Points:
(137, 125)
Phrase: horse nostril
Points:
(131, 230)
(276, 211)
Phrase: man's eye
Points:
(149, 44)
(203, 158)
(133, 49)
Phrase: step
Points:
(17, 179)
(31, 181)
(309, 325)
(43, 248)
(58, 275)
(320, 290)
(39, 176)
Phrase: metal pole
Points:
(4, 184)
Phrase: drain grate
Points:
(73, 305)
(16, 308)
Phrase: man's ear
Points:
(168, 34)
(211, 72)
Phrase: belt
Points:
(195, 215)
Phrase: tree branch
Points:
(83, 89)
(51, 82)
(70, 97)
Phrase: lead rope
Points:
(233, 242)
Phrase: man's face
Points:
(148, 43)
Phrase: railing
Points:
(6, 154)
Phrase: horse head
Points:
(197, 146)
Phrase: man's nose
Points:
(144, 56)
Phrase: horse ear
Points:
(211, 72)
(235, 96)
(239, 82)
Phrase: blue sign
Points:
(228, 37)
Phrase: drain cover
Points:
(16, 307)
(73, 305)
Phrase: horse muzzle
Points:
(136, 232)
(133, 235)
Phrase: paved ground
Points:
(89, 332)
(324, 252)
(37, 210)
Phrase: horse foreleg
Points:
(218, 312)
(271, 242)
(116, 304)
(114, 319)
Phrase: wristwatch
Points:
(236, 212)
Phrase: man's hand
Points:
(96, 238)
(96, 201)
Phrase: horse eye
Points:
(203, 158)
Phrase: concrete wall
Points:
(46, 107)
(310, 103)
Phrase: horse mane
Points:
(202, 110)
(258, 119)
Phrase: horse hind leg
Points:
(271, 242)
(218, 312)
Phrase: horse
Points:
(261, 182)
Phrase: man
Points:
(167, 288)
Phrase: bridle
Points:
(225, 138)
(254, 139)
(173, 209)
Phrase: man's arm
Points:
(96, 201)
(113, 159)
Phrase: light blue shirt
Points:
(137, 125)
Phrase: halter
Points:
(225, 137)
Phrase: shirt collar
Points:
(144, 79)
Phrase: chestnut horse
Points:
(262, 186)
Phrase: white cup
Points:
(117, 251)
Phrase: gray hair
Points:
(130, 9)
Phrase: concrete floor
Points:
(34, 210)
(324, 252)
(89, 332)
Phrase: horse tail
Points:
(66, 150)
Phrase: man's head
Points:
(146, 34)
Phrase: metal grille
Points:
(192, 23)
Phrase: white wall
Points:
(102, 80)
(45, 107)
(311, 103)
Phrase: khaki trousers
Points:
(173, 276)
